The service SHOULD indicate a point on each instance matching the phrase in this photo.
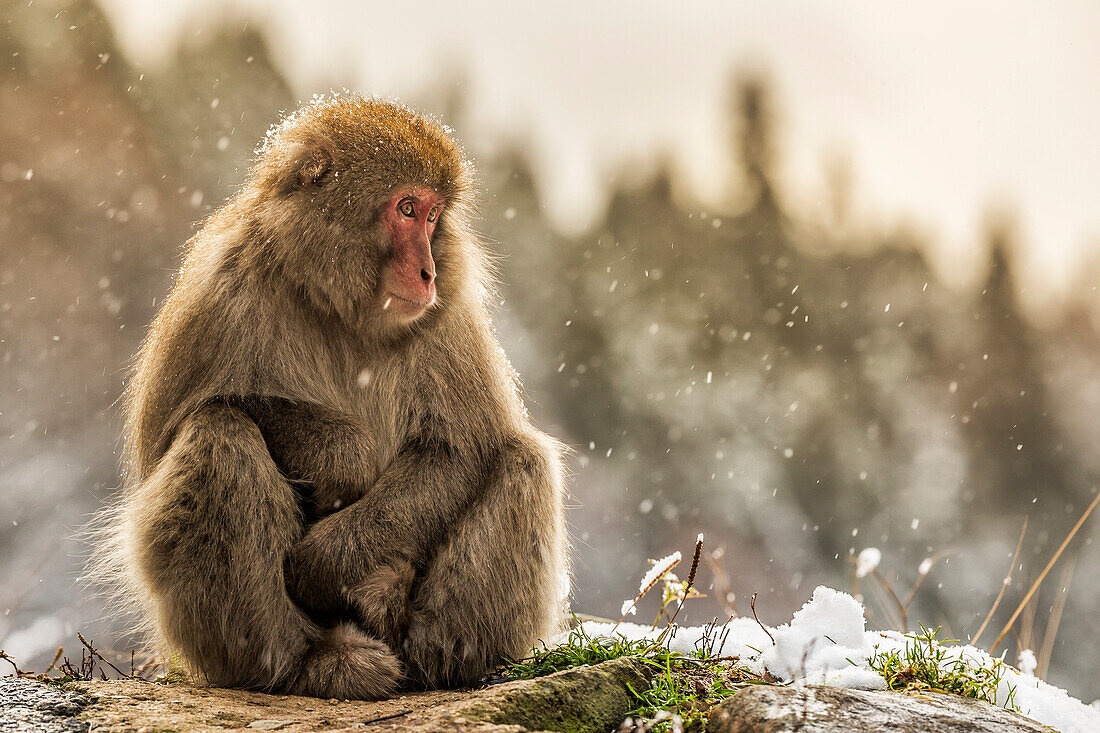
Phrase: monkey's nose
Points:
(426, 276)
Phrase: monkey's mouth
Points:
(393, 298)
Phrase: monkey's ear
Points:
(315, 169)
(307, 166)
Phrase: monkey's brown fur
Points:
(281, 433)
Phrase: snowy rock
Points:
(812, 709)
(826, 643)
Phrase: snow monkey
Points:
(333, 488)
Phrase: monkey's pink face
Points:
(408, 281)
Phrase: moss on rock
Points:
(579, 700)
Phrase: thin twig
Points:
(95, 654)
(903, 615)
(752, 605)
(66, 667)
(11, 660)
(725, 635)
(372, 721)
(1004, 585)
(1042, 575)
(921, 577)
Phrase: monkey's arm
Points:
(326, 452)
(496, 584)
(390, 529)
(208, 530)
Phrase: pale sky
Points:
(943, 108)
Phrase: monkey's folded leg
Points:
(210, 528)
(495, 586)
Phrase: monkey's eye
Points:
(406, 208)
(434, 213)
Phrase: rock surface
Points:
(584, 699)
(595, 698)
(830, 709)
(26, 705)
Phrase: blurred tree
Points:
(213, 104)
(1018, 456)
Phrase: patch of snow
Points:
(1026, 662)
(746, 639)
(659, 568)
(826, 642)
(867, 561)
(818, 643)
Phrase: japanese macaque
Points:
(333, 488)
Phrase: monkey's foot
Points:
(348, 664)
(436, 655)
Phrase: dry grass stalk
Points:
(56, 657)
(11, 660)
(1042, 575)
(895, 608)
(690, 583)
(1050, 633)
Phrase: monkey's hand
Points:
(327, 572)
(382, 599)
